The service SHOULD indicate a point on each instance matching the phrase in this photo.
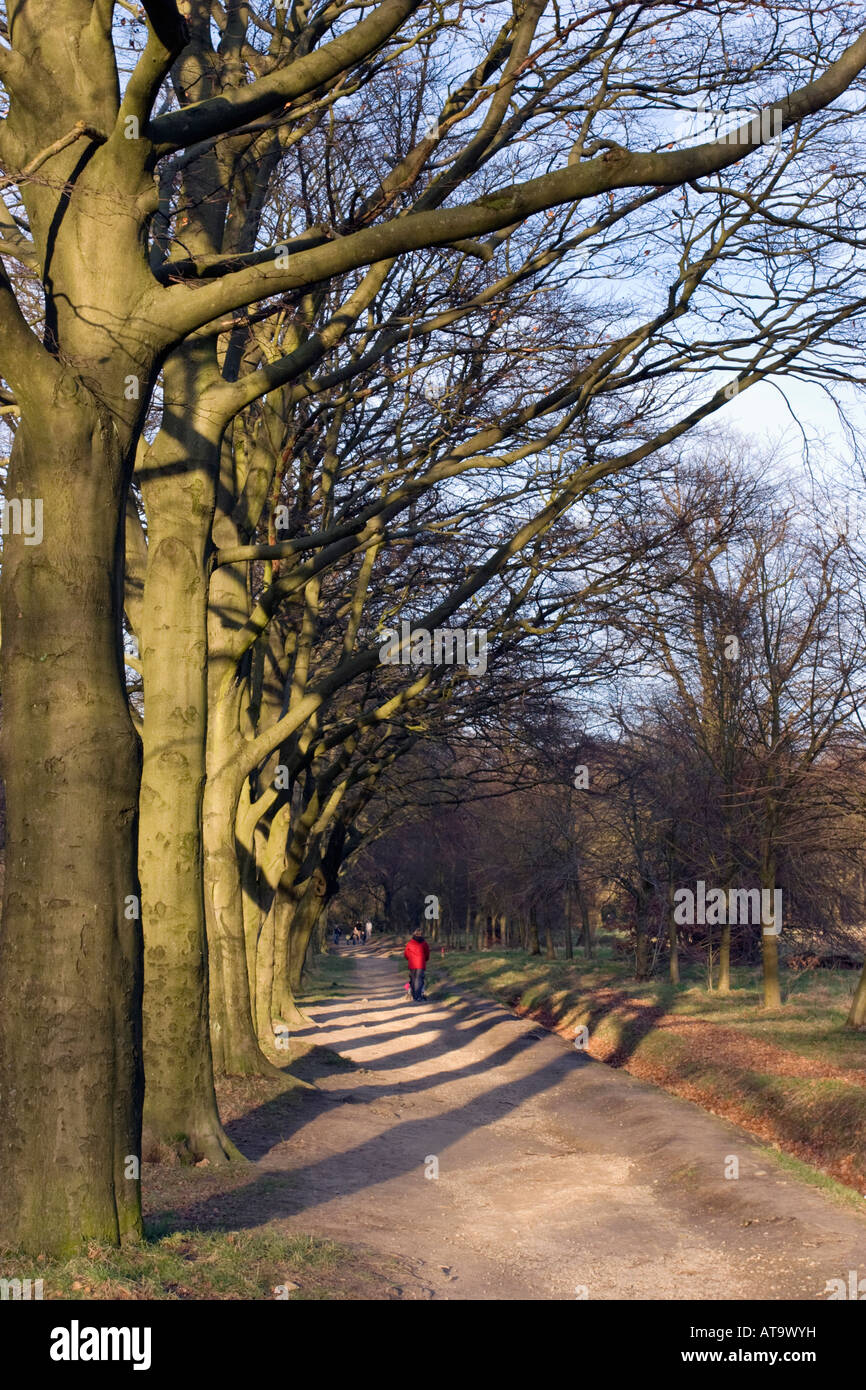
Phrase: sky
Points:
(782, 414)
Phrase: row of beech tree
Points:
(728, 749)
(313, 321)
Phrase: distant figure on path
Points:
(417, 954)
(368, 930)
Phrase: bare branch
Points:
(236, 106)
(183, 309)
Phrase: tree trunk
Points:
(673, 941)
(282, 998)
(725, 960)
(585, 923)
(594, 926)
(250, 840)
(770, 944)
(292, 927)
(642, 968)
(234, 1042)
(387, 898)
(567, 908)
(265, 978)
(322, 931)
(857, 1017)
(304, 920)
(534, 943)
(236, 1051)
(180, 1113)
(71, 1081)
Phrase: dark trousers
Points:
(416, 983)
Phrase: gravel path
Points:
(558, 1178)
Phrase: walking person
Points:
(368, 930)
(417, 954)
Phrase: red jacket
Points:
(417, 954)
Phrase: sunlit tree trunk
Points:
(282, 999)
(724, 985)
(234, 1042)
(264, 1010)
(178, 488)
(857, 1015)
(235, 1045)
(770, 942)
(71, 1080)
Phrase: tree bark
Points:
(71, 1081)
(234, 1042)
(642, 969)
(770, 944)
(585, 923)
(534, 943)
(724, 985)
(857, 1016)
(180, 1113)
(304, 920)
(567, 908)
(236, 1050)
(289, 956)
(265, 977)
(282, 997)
(673, 940)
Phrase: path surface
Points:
(556, 1174)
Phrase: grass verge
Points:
(232, 1265)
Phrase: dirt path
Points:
(556, 1174)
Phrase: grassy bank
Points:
(197, 1264)
(794, 1077)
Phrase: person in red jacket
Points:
(417, 954)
